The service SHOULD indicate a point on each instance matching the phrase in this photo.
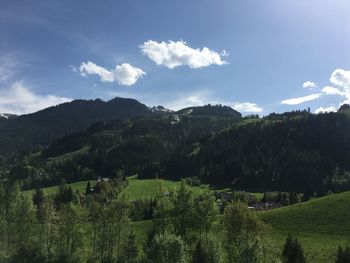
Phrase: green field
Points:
(80, 186)
(137, 188)
(321, 225)
(148, 188)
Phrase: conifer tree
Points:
(293, 251)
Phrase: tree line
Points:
(97, 227)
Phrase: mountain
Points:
(117, 148)
(7, 116)
(292, 151)
(36, 130)
(295, 151)
(210, 111)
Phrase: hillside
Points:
(294, 151)
(117, 148)
(36, 130)
(321, 225)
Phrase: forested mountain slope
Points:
(292, 151)
(27, 132)
(117, 148)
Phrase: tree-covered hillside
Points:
(119, 148)
(295, 151)
(36, 130)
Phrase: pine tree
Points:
(343, 255)
(129, 252)
(293, 251)
(88, 188)
(207, 251)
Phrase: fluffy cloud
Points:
(247, 107)
(124, 74)
(341, 77)
(19, 100)
(173, 54)
(323, 110)
(296, 101)
(309, 85)
(332, 91)
(201, 98)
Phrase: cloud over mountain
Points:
(19, 100)
(299, 100)
(247, 107)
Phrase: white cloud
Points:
(200, 98)
(341, 77)
(184, 101)
(124, 74)
(309, 85)
(173, 54)
(332, 91)
(19, 100)
(296, 101)
(324, 110)
(247, 107)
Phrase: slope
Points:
(320, 224)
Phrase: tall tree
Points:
(166, 248)
(242, 234)
(182, 214)
(70, 224)
(293, 251)
(343, 255)
(207, 251)
(206, 214)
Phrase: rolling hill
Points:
(321, 225)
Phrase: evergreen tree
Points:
(88, 189)
(38, 197)
(293, 251)
(343, 255)
(207, 251)
(182, 214)
(293, 198)
(129, 252)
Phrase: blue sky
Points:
(252, 55)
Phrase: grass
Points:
(321, 225)
(80, 186)
(148, 188)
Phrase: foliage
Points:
(343, 255)
(166, 248)
(293, 251)
(242, 234)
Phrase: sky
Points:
(257, 56)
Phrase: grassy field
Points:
(321, 225)
(137, 188)
(148, 188)
(80, 186)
